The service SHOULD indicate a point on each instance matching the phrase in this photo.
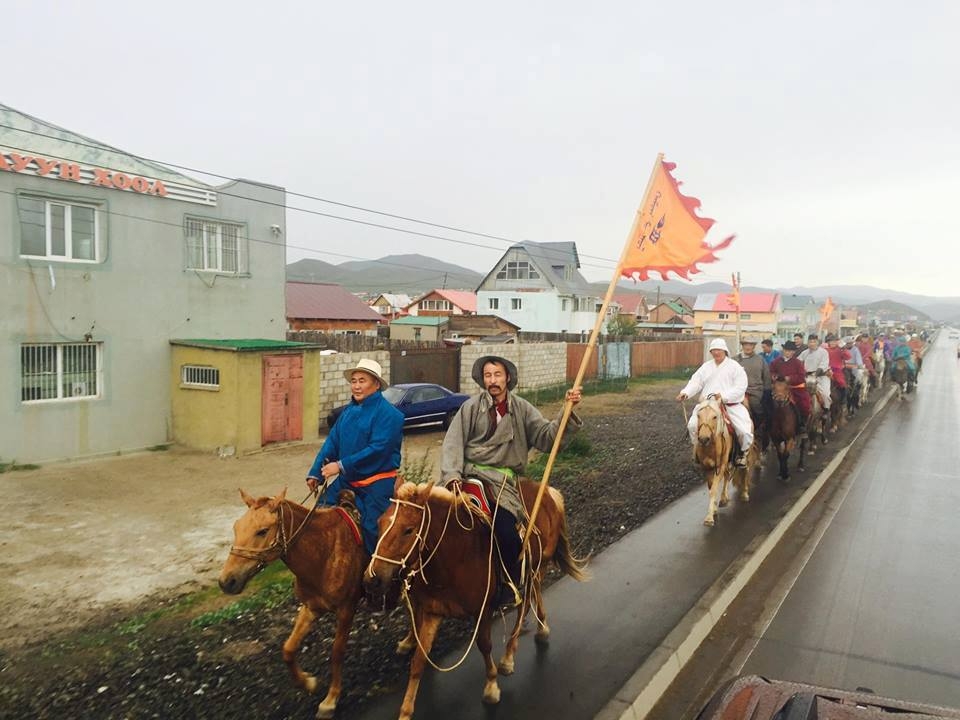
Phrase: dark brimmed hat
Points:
(830, 337)
(477, 372)
(790, 345)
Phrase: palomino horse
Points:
(817, 425)
(783, 427)
(441, 546)
(327, 562)
(712, 451)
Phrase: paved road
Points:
(603, 630)
(877, 604)
(863, 592)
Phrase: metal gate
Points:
(430, 365)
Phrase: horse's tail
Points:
(568, 563)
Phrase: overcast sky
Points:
(823, 134)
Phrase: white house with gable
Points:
(538, 286)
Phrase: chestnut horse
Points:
(327, 562)
(783, 427)
(441, 546)
(817, 424)
(712, 451)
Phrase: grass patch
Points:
(14, 466)
(416, 470)
(570, 459)
(553, 393)
(159, 448)
(270, 596)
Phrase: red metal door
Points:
(282, 404)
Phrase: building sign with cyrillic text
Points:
(58, 169)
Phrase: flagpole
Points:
(738, 310)
(568, 405)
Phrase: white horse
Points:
(880, 365)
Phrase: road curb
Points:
(645, 687)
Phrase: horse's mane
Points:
(425, 492)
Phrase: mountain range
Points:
(416, 274)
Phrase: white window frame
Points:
(436, 305)
(723, 316)
(55, 352)
(199, 377)
(517, 270)
(68, 206)
(210, 242)
(493, 303)
(516, 304)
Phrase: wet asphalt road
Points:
(604, 629)
(878, 603)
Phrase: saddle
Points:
(476, 495)
(346, 507)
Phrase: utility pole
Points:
(738, 309)
(444, 287)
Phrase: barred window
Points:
(60, 371)
(200, 376)
(58, 230)
(214, 246)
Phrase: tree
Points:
(622, 326)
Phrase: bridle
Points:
(282, 541)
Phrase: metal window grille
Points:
(200, 376)
(213, 246)
(60, 371)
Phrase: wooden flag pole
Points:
(568, 406)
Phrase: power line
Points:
(101, 146)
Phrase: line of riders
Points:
(824, 380)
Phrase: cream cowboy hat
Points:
(477, 372)
(370, 367)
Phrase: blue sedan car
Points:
(422, 404)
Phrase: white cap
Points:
(719, 344)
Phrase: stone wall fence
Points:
(334, 389)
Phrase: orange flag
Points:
(668, 233)
(734, 297)
(826, 311)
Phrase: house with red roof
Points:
(329, 307)
(443, 303)
(632, 305)
(714, 314)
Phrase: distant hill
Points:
(410, 274)
(894, 309)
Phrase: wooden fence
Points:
(649, 358)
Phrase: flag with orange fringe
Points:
(826, 310)
(668, 234)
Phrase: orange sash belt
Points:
(373, 478)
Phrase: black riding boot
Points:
(508, 545)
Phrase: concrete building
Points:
(799, 314)
(104, 258)
(425, 329)
(444, 303)
(329, 307)
(538, 286)
(714, 315)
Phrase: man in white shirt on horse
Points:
(816, 361)
(726, 379)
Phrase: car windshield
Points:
(393, 395)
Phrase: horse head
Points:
(709, 421)
(781, 392)
(256, 541)
(402, 530)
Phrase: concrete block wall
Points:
(538, 364)
(334, 389)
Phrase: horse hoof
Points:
(723, 502)
(745, 497)
(505, 667)
(326, 711)
(492, 696)
(709, 522)
(404, 648)
(542, 637)
(310, 684)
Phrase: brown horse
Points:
(713, 452)
(783, 427)
(327, 562)
(441, 545)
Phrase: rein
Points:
(281, 542)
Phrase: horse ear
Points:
(247, 499)
(274, 502)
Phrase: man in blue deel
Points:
(362, 451)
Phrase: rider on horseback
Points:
(724, 378)
(789, 368)
(904, 352)
(758, 382)
(816, 362)
(490, 439)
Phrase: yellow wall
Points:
(702, 317)
(230, 416)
